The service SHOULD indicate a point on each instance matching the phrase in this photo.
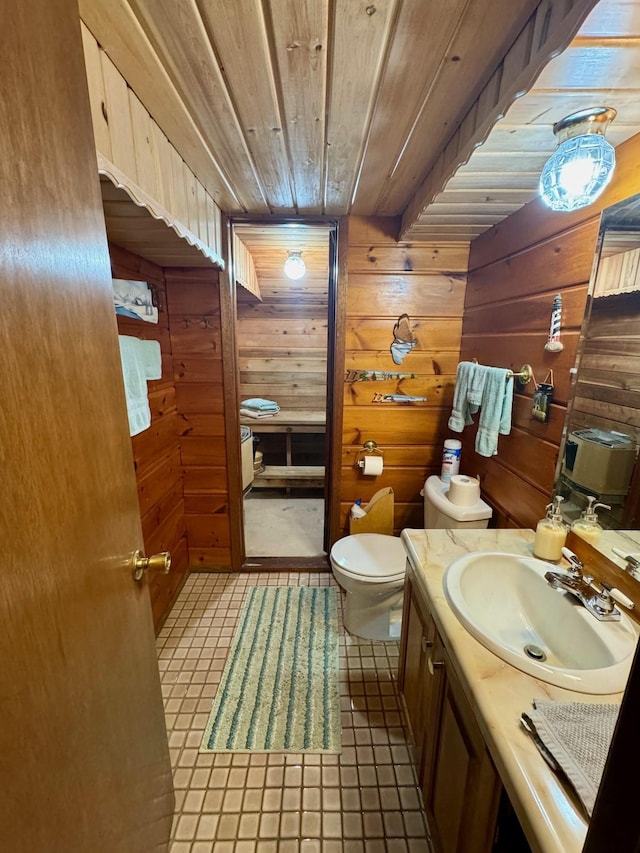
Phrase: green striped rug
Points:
(279, 689)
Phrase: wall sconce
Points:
(582, 165)
(294, 266)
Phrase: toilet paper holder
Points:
(370, 447)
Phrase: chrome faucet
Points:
(596, 598)
(633, 564)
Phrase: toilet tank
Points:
(441, 514)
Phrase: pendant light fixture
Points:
(582, 165)
(294, 266)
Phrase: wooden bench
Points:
(288, 423)
(288, 476)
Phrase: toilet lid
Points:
(371, 556)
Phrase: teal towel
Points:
(495, 410)
(260, 405)
(465, 395)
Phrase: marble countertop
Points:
(627, 540)
(551, 819)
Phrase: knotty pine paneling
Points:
(568, 255)
(158, 480)
(194, 323)
(282, 340)
(205, 480)
(387, 279)
(155, 451)
(423, 363)
(521, 264)
(127, 137)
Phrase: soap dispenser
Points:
(587, 526)
(551, 533)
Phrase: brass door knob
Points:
(156, 563)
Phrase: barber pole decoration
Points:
(554, 344)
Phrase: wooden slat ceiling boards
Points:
(395, 107)
(269, 246)
(134, 228)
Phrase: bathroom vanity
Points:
(464, 705)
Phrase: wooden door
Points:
(83, 752)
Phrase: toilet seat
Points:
(370, 557)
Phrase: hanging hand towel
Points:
(463, 407)
(475, 390)
(495, 411)
(134, 374)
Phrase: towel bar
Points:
(524, 376)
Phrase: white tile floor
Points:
(362, 801)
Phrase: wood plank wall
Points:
(282, 343)
(244, 268)
(156, 452)
(515, 270)
(607, 395)
(194, 324)
(153, 171)
(385, 280)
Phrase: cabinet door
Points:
(463, 796)
(418, 633)
(433, 681)
(411, 685)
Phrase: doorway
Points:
(282, 343)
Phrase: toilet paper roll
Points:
(372, 466)
(463, 490)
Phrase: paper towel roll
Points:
(372, 466)
(463, 490)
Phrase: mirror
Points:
(598, 454)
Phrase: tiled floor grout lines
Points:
(362, 801)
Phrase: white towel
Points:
(139, 363)
(151, 357)
(251, 413)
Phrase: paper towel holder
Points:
(368, 447)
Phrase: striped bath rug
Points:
(279, 689)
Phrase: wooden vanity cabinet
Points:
(460, 786)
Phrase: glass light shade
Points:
(294, 266)
(577, 172)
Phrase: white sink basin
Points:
(504, 601)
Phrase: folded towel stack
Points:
(574, 739)
(256, 407)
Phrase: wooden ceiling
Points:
(269, 246)
(299, 107)
(601, 67)
(134, 227)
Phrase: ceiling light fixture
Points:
(294, 266)
(582, 165)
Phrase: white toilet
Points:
(370, 567)
(441, 514)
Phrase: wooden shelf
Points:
(281, 476)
